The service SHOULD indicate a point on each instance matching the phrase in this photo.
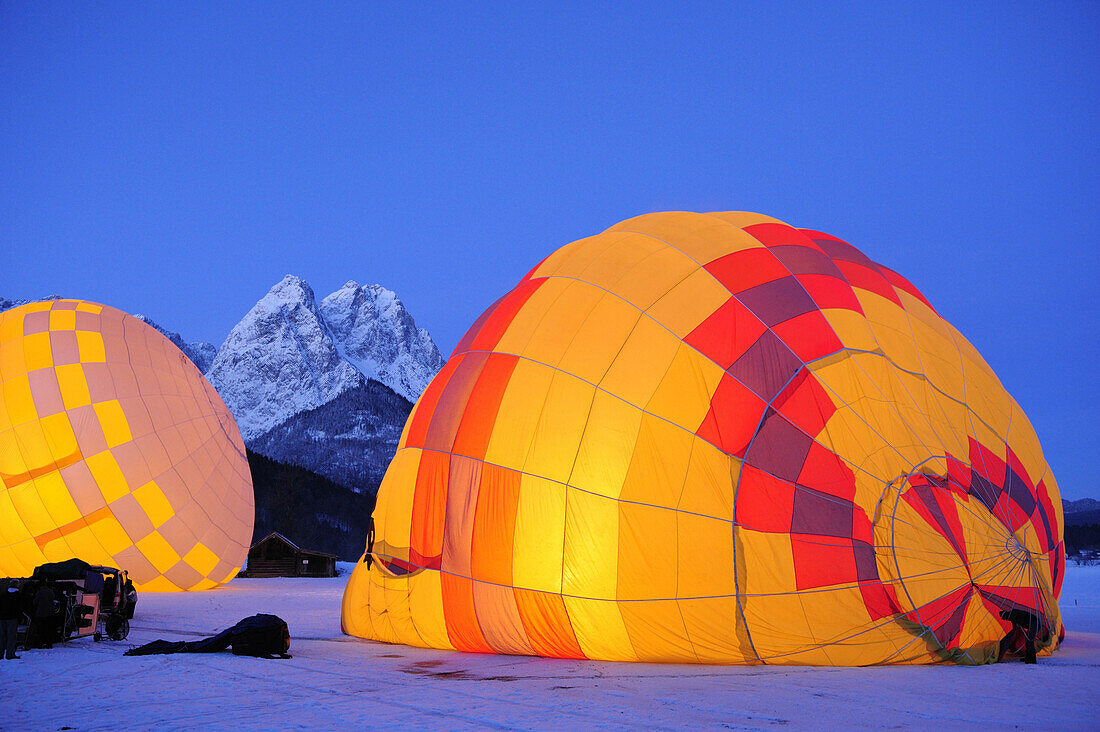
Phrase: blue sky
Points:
(177, 159)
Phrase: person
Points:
(1027, 628)
(43, 628)
(131, 598)
(10, 611)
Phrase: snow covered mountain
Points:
(375, 333)
(290, 354)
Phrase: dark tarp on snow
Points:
(70, 569)
(261, 635)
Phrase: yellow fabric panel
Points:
(108, 476)
(779, 628)
(110, 534)
(944, 417)
(11, 456)
(659, 464)
(654, 276)
(556, 329)
(91, 347)
(689, 302)
(668, 226)
(13, 528)
(710, 624)
(851, 328)
(593, 346)
(62, 320)
(27, 556)
(82, 543)
(74, 387)
(89, 307)
(12, 360)
(704, 558)
(891, 330)
(657, 631)
(30, 509)
(769, 564)
(33, 446)
(55, 497)
(426, 610)
(839, 614)
(642, 363)
(939, 358)
(557, 433)
(393, 513)
(574, 259)
(607, 446)
(716, 240)
(647, 553)
(60, 439)
(200, 557)
(1021, 436)
(398, 609)
(37, 353)
(591, 546)
(157, 584)
(901, 391)
(18, 401)
(539, 545)
(617, 255)
(112, 421)
(519, 412)
(683, 395)
(708, 488)
(158, 508)
(11, 325)
(158, 551)
(984, 396)
(526, 320)
(599, 628)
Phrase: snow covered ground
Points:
(334, 681)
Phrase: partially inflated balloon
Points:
(115, 449)
(714, 438)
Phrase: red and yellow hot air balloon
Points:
(714, 438)
(114, 449)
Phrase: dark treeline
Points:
(312, 511)
(1082, 537)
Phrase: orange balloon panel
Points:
(115, 449)
(714, 438)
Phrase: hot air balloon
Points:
(115, 449)
(715, 438)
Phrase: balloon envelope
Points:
(714, 438)
(115, 449)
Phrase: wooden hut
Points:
(277, 556)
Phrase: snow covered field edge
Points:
(334, 681)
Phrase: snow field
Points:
(334, 681)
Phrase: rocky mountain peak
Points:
(290, 354)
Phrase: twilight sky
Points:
(177, 159)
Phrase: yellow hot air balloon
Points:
(715, 438)
(115, 449)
